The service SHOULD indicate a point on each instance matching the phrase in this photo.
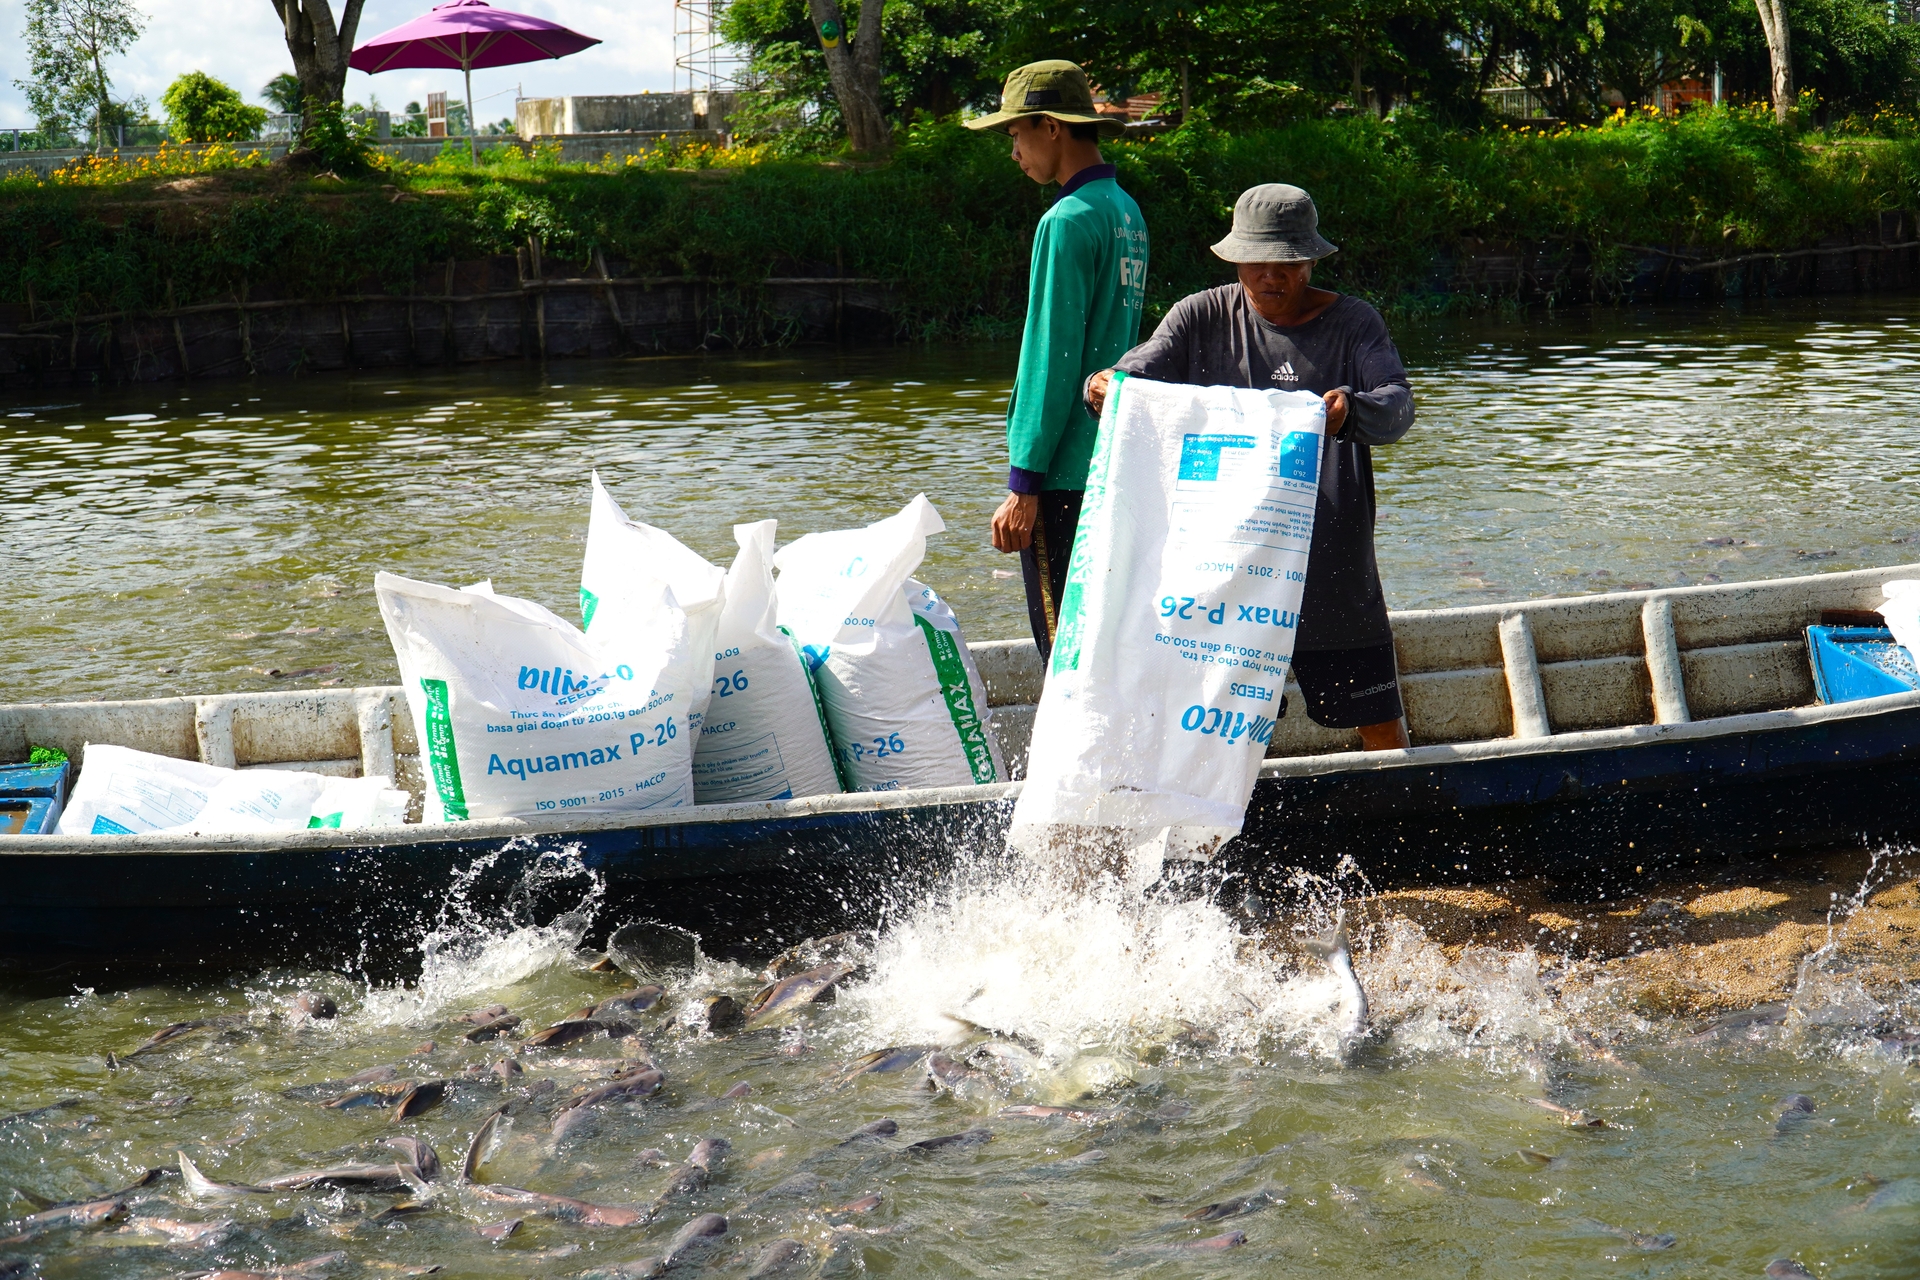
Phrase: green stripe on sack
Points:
(1066, 637)
(834, 753)
(588, 603)
(951, 671)
(441, 758)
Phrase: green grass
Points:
(950, 217)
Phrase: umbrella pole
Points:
(473, 126)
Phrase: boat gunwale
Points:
(864, 803)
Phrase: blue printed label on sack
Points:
(1299, 457)
(1200, 454)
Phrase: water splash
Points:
(1102, 969)
(473, 949)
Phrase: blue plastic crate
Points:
(1851, 663)
(31, 797)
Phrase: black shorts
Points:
(1347, 688)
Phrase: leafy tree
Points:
(68, 44)
(1259, 62)
(320, 47)
(283, 92)
(202, 109)
(939, 56)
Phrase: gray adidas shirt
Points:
(1216, 338)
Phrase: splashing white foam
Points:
(469, 952)
(1070, 972)
(1107, 970)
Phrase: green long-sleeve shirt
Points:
(1084, 296)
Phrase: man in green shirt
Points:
(1084, 294)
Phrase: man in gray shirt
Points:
(1274, 329)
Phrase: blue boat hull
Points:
(1598, 818)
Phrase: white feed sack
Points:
(765, 733)
(903, 699)
(121, 791)
(1178, 620)
(627, 565)
(519, 713)
(1901, 611)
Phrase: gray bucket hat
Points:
(1274, 222)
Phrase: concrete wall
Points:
(631, 112)
(501, 308)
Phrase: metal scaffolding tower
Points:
(701, 59)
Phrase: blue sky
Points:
(239, 41)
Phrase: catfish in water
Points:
(834, 946)
(886, 1061)
(37, 1112)
(172, 1034)
(1236, 1206)
(40, 1202)
(789, 994)
(418, 1098)
(648, 951)
(951, 1141)
(694, 1174)
(1638, 1239)
(482, 1016)
(1336, 951)
(492, 1029)
(201, 1187)
(702, 1233)
(780, 1258)
(1792, 1113)
(561, 1208)
(639, 1082)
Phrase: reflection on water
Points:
(223, 536)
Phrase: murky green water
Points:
(224, 536)
(203, 539)
(1192, 1070)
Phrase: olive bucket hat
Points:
(1055, 88)
(1274, 222)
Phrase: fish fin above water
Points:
(421, 1191)
(477, 1149)
(1335, 941)
(199, 1185)
(33, 1198)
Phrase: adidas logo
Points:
(1285, 372)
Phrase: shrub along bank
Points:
(950, 218)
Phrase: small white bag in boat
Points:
(626, 565)
(348, 804)
(904, 701)
(1178, 620)
(519, 713)
(1901, 612)
(765, 733)
(256, 801)
(121, 791)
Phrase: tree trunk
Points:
(1773, 19)
(854, 67)
(320, 50)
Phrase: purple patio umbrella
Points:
(468, 34)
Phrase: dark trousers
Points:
(1044, 563)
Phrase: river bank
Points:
(206, 267)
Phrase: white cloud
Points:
(239, 41)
